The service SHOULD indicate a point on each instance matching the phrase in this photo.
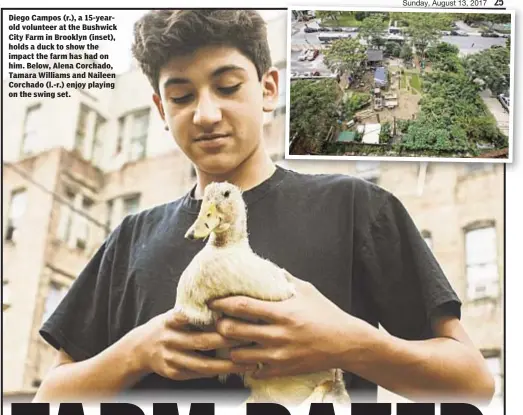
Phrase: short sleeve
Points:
(79, 325)
(403, 278)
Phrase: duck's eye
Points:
(227, 193)
(209, 214)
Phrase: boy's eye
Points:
(182, 100)
(229, 90)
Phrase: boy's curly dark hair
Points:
(161, 35)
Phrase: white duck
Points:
(228, 266)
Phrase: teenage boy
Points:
(357, 255)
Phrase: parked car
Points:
(505, 35)
(504, 100)
(337, 29)
(489, 34)
(324, 29)
(313, 54)
(310, 30)
(458, 33)
(445, 33)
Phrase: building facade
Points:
(69, 180)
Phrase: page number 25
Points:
(498, 3)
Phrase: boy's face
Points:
(213, 103)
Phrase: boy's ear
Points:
(270, 84)
(158, 102)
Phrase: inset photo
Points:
(383, 84)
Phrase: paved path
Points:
(497, 110)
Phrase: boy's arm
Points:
(309, 333)
(68, 380)
(161, 345)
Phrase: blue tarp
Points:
(380, 76)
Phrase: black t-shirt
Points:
(351, 239)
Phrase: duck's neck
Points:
(235, 235)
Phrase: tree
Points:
(346, 55)
(492, 66)
(441, 50)
(424, 29)
(359, 16)
(372, 27)
(355, 102)
(326, 15)
(314, 109)
(406, 52)
(444, 57)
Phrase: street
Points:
(302, 41)
(308, 66)
(464, 43)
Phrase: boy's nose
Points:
(207, 113)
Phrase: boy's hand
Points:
(306, 333)
(166, 347)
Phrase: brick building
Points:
(67, 182)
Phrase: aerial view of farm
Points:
(400, 84)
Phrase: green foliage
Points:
(348, 55)
(448, 64)
(314, 109)
(393, 49)
(469, 18)
(444, 57)
(355, 102)
(385, 133)
(361, 15)
(492, 66)
(372, 27)
(415, 82)
(424, 28)
(403, 125)
(423, 136)
(452, 118)
(441, 51)
(406, 52)
(326, 15)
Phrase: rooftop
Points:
(374, 55)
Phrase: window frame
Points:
(492, 288)
(12, 227)
(32, 109)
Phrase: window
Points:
(82, 234)
(66, 215)
(110, 210)
(54, 297)
(31, 128)
(6, 296)
(81, 129)
(16, 212)
(139, 135)
(121, 134)
(493, 359)
(131, 205)
(481, 263)
(427, 237)
(97, 149)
